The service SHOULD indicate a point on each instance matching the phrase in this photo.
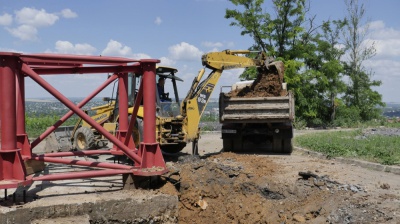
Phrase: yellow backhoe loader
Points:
(177, 122)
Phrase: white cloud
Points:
(115, 48)
(384, 68)
(212, 44)
(376, 25)
(387, 71)
(158, 21)
(387, 48)
(24, 32)
(167, 61)
(6, 19)
(185, 52)
(35, 18)
(68, 13)
(386, 40)
(217, 46)
(67, 47)
(140, 56)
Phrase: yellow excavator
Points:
(177, 123)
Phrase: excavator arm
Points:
(231, 59)
(199, 94)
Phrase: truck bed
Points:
(256, 109)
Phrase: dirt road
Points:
(259, 188)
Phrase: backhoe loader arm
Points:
(199, 94)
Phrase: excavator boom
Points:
(200, 92)
(230, 60)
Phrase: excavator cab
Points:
(167, 92)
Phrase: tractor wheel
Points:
(137, 132)
(172, 148)
(84, 138)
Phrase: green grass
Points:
(37, 124)
(375, 148)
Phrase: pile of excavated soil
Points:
(267, 84)
(232, 188)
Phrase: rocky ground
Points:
(259, 188)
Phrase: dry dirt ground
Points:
(253, 187)
(220, 187)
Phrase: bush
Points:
(299, 123)
(347, 117)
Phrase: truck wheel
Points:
(237, 144)
(277, 145)
(84, 138)
(227, 145)
(287, 146)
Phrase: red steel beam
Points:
(75, 59)
(149, 149)
(48, 64)
(128, 152)
(80, 162)
(70, 113)
(75, 153)
(12, 169)
(22, 137)
(81, 175)
(132, 122)
(85, 70)
(149, 104)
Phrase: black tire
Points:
(84, 138)
(237, 144)
(287, 146)
(137, 132)
(277, 145)
(227, 145)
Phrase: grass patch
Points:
(37, 124)
(374, 148)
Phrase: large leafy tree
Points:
(331, 67)
(359, 92)
(312, 56)
(284, 37)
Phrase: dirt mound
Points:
(268, 83)
(232, 188)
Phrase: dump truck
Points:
(255, 119)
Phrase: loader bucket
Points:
(60, 140)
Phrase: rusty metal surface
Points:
(14, 146)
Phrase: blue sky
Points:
(178, 32)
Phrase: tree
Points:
(332, 67)
(283, 37)
(359, 91)
(276, 36)
(313, 59)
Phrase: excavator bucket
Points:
(279, 67)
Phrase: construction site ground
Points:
(219, 187)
